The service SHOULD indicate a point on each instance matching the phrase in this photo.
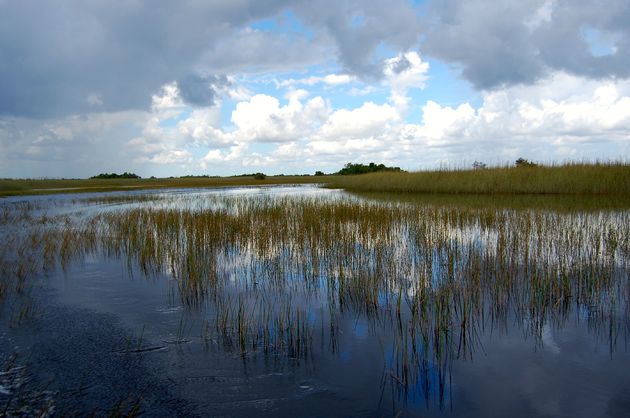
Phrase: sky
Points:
(223, 87)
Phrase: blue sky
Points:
(288, 86)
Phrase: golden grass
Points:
(575, 179)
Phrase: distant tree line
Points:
(124, 175)
(351, 168)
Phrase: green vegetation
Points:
(524, 177)
(124, 175)
(350, 169)
(279, 274)
(522, 162)
(577, 179)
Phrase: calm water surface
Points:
(311, 302)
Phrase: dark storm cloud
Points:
(360, 27)
(510, 42)
(400, 64)
(201, 90)
(56, 54)
(61, 57)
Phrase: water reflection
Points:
(298, 275)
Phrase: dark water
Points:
(103, 336)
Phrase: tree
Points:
(319, 173)
(351, 168)
(124, 175)
(522, 162)
(478, 165)
(260, 176)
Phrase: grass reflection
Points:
(277, 277)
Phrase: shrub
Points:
(522, 162)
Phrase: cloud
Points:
(363, 122)
(263, 119)
(59, 60)
(201, 90)
(330, 80)
(562, 116)
(403, 72)
(71, 146)
(393, 24)
(508, 42)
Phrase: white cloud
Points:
(560, 117)
(440, 123)
(263, 119)
(402, 73)
(169, 157)
(330, 80)
(203, 127)
(363, 122)
(219, 156)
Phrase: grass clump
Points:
(573, 178)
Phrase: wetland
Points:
(305, 301)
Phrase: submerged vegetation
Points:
(279, 276)
(525, 178)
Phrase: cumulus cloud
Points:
(560, 117)
(556, 118)
(263, 119)
(363, 122)
(402, 73)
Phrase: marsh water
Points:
(305, 301)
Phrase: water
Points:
(312, 302)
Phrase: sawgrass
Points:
(277, 274)
(568, 179)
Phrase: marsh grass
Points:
(280, 275)
(14, 187)
(572, 179)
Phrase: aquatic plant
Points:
(278, 276)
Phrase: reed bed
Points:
(280, 275)
(568, 179)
